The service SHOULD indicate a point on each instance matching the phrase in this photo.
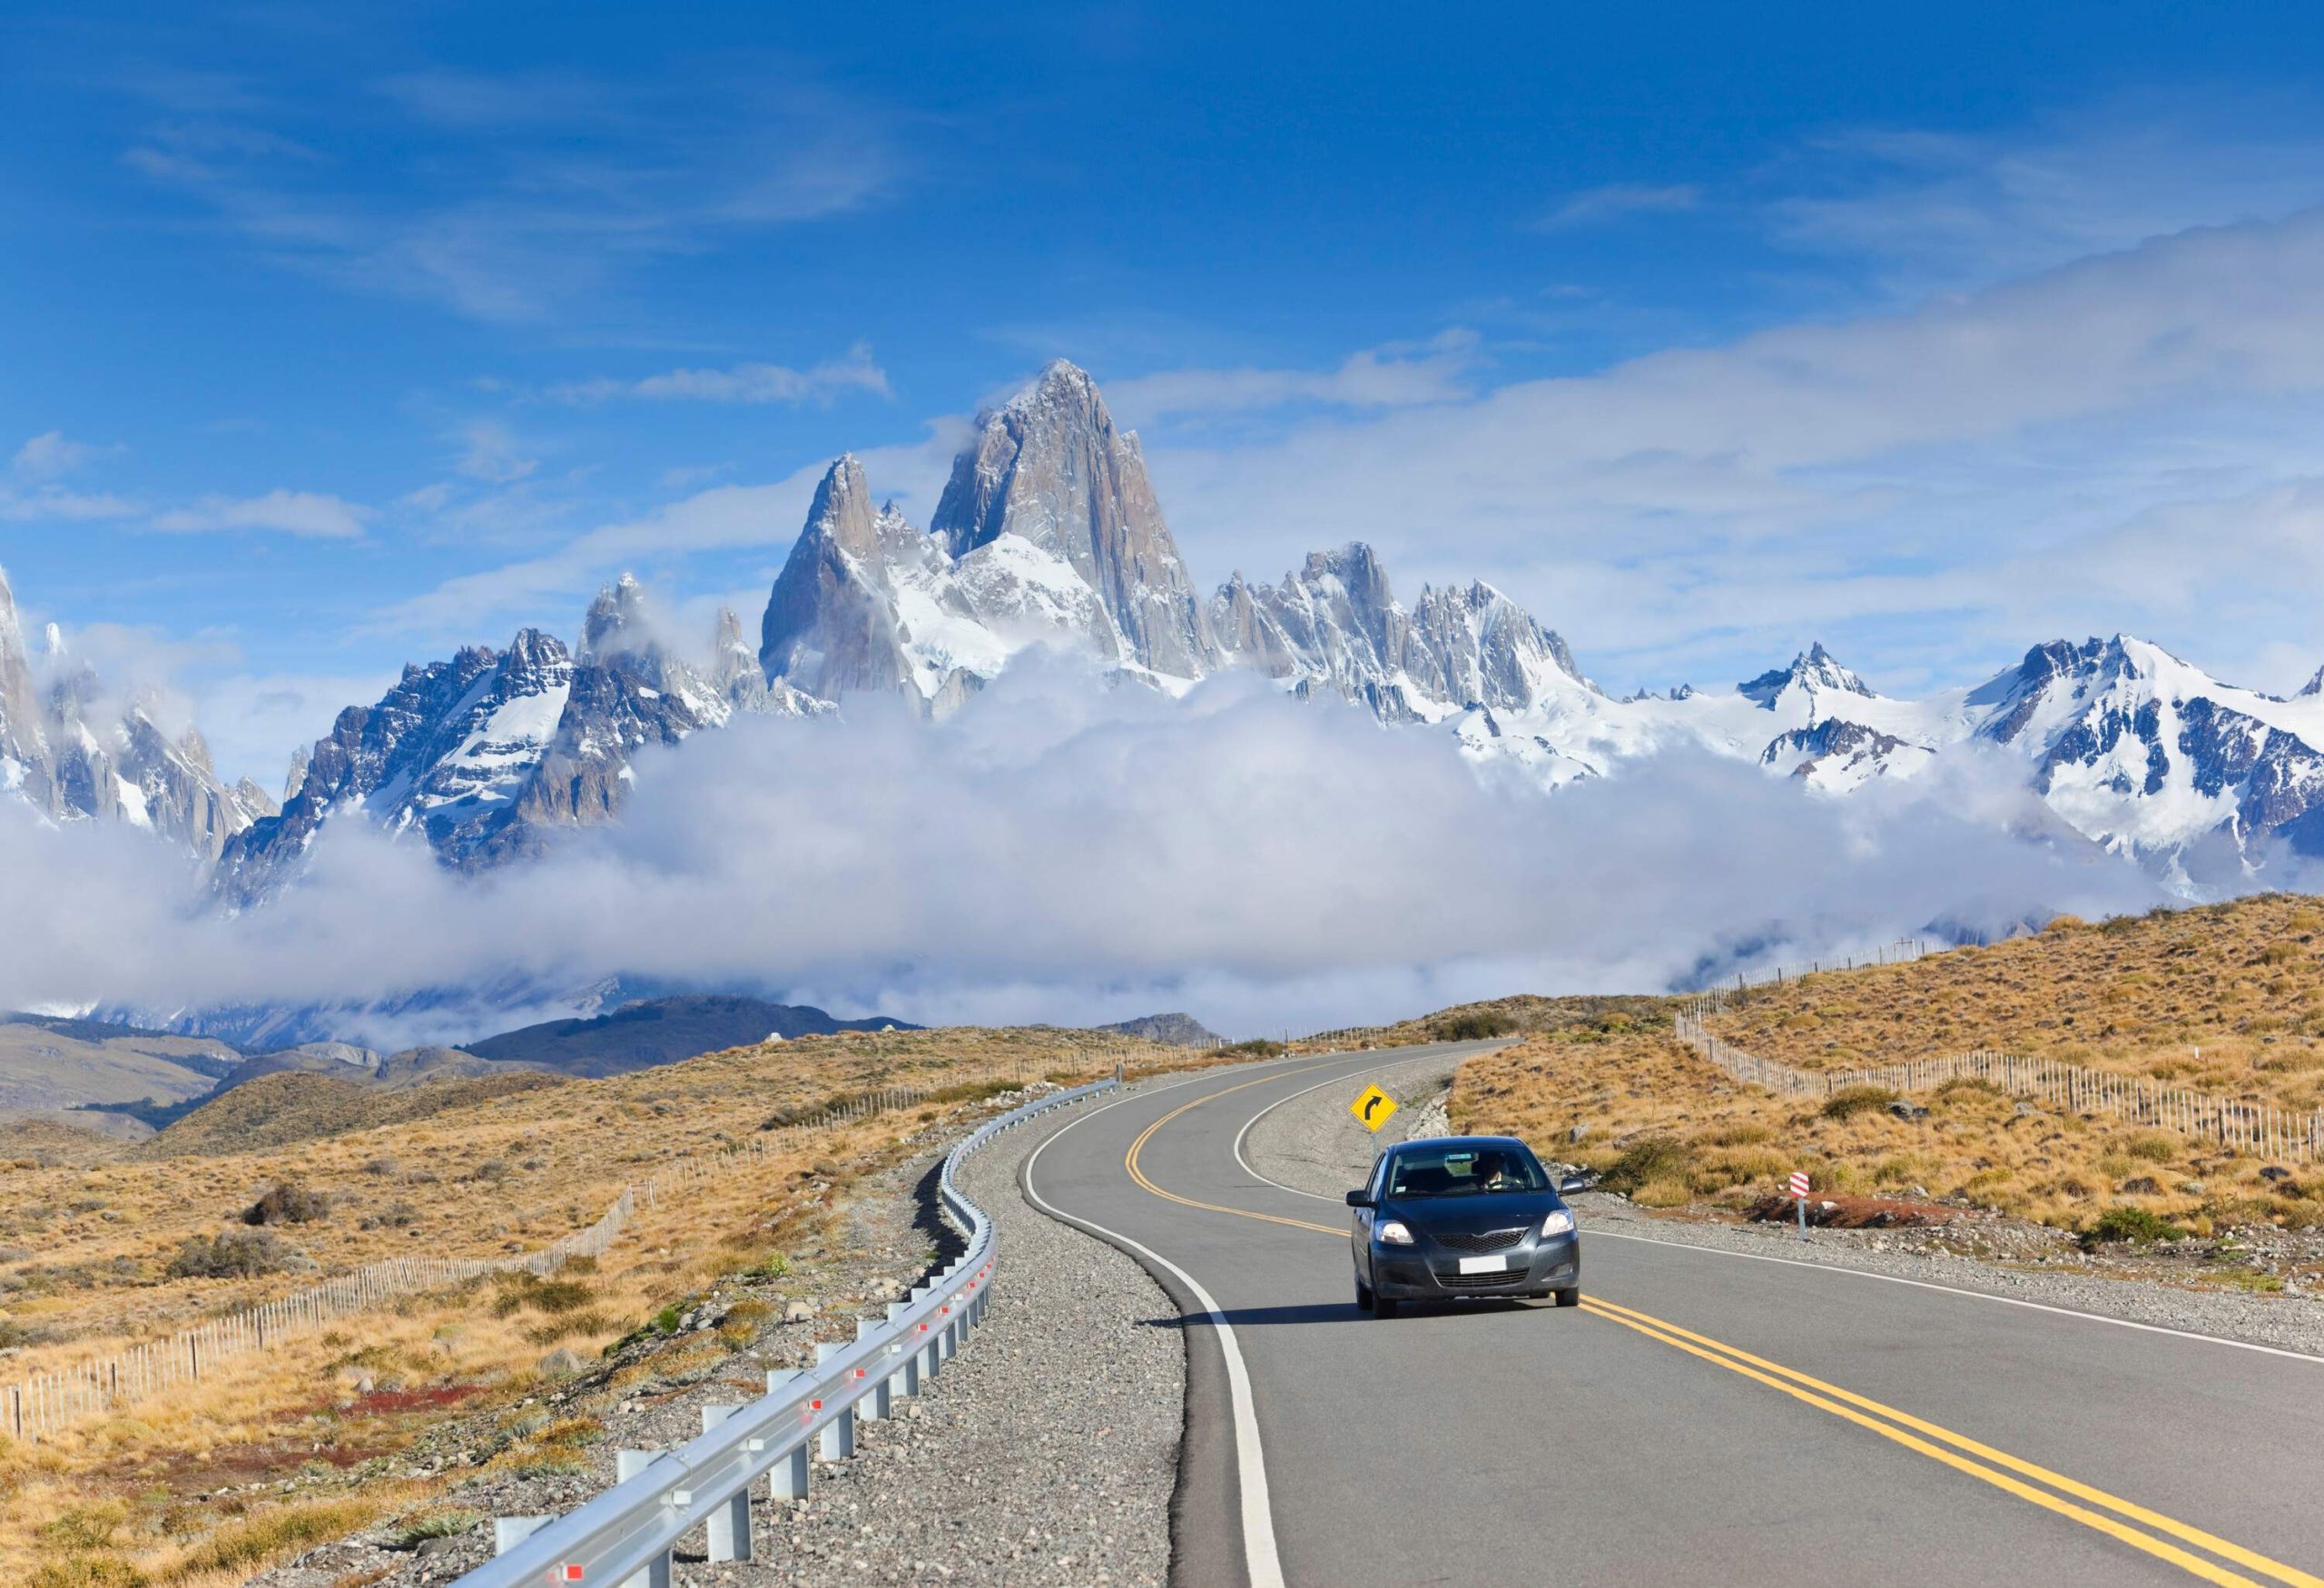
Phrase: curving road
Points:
(1704, 1417)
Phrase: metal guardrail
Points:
(626, 1535)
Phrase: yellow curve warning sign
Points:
(1372, 1108)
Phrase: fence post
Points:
(627, 1464)
(729, 1527)
(839, 1433)
(790, 1477)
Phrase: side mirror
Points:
(1359, 1199)
(1584, 1181)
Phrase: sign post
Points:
(1800, 1195)
(1372, 1107)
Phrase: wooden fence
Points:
(2261, 1128)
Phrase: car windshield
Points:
(1459, 1169)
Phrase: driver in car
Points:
(1492, 1173)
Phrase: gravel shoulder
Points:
(1016, 1465)
(1311, 1144)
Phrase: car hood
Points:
(1496, 1210)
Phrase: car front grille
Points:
(1487, 1240)
(1481, 1281)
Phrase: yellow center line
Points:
(1852, 1407)
(2194, 1535)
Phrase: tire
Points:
(1364, 1296)
(1382, 1307)
(1568, 1296)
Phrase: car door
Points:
(1360, 1236)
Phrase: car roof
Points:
(1459, 1142)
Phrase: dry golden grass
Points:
(2227, 998)
(509, 1174)
(2244, 983)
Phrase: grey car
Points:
(1463, 1217)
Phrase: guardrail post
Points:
(789, 1478)
(509, 1532)
(907, 1377)
(627, 1464)
(839, 1433)
(729, 1527)
(876, 1406)
(948, 1341)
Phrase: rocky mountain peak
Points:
(1050, 467)
(615, 622)
(1813, 668)
(2313, 686)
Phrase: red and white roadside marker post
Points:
(1799, 1196)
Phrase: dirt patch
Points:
(1852, 1212)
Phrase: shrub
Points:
(2153, 1146)
(288, 1204)
(249, 1545)
(1257, 1048)
(83, 1526)
(1472, 1025)
(1851, 1100)
(1648, 1159)
(2129, 1224)
(87, 1572)
(446, 1522)
(396, 1215)
(232, 1254)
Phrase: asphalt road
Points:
(1703, 1418)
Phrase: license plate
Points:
(1484, 1265)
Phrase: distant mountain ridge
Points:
(662, 1030)
(1049, 533)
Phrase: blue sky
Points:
(339, 337)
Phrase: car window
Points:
(1463, 1169)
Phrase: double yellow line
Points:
(2072, 1499)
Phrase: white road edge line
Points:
(2099, 1318)
(1260, 1557)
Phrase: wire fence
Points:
(1904, 951)
(2239, 1126)
(45, 1403)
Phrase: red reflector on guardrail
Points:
(569, 1573)
(814, 1405)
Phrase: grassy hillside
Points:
(51, 1064)
(496, 1166)
(2242, 983)
(2227, 998)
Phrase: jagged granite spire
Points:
(1050, 467)
(830, 625)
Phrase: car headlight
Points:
(1392, 1232)
(1559, 1222)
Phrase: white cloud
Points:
(1398, 375)
(311, 515)
(723, 518)
(1038, 856)
(1949, 210)
(491, 453)
(740, 383)
(1907, 462)
(53, 454)
(1599, 206)
(519, 197)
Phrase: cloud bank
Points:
(1062, 853)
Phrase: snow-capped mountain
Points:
(484, 753)
(1048, 533)
(75, 752)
